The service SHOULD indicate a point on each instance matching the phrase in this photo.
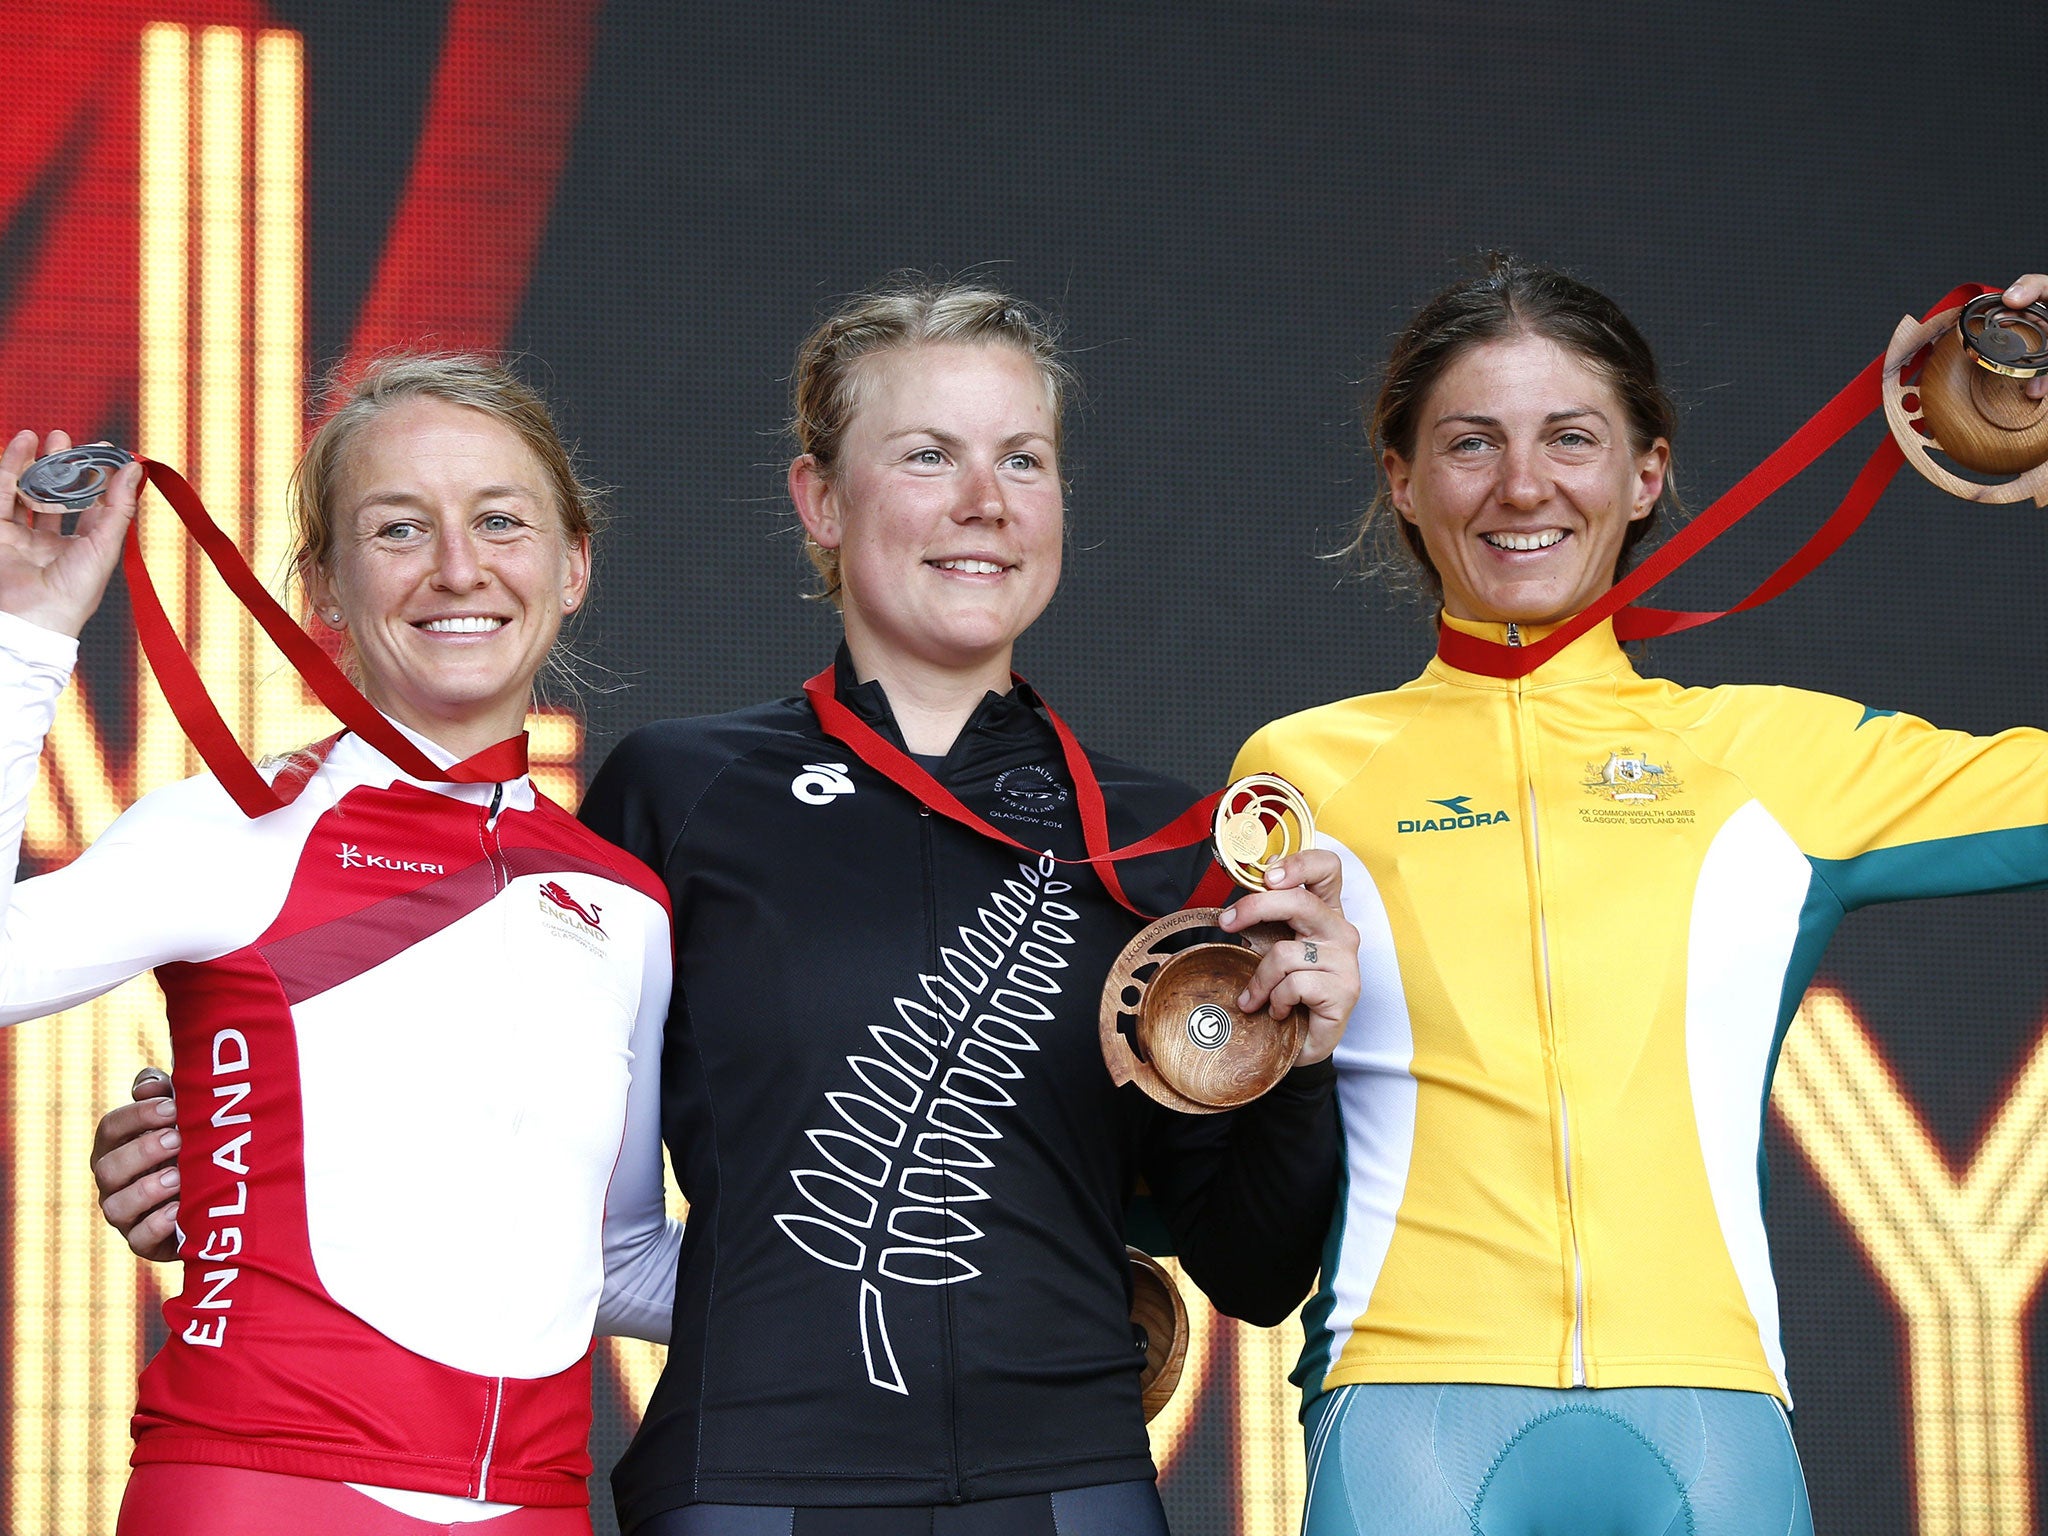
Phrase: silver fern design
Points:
(905, 1157)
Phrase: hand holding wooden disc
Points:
(1968, 401)
(1161, 1318)
(1170, 1021)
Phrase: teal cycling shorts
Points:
(1477, 1460)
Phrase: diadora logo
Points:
(821, 783)
(353, 857)
(1458, 816)
(553, 893)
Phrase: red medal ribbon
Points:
(194, 708)
(1191, 826)
(1829, 425)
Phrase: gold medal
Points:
(1242, 839)
(1260, 819)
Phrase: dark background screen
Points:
(1233, 206)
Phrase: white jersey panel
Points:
(460, 1110)
(1745, 921)
(1376, 1097)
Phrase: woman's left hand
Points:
(2031, 289)
(1317, 969)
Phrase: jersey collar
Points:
(1596, 653)
(359, 760)
(997, 711)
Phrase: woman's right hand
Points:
(135, 1165)
(51, 580)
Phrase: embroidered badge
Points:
(1632, 789)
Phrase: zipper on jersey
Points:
(1514, 633)
(1564, 1118)
(928, 858)
(494, 855)
(494, 1402)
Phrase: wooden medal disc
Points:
(1170, 1021)
(1983, 420)
(1956, 411)
(1157, 1310)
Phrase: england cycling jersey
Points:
(413, 1032)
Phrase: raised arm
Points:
(134, 900)
(1885, 806)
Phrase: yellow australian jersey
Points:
(1589, 904)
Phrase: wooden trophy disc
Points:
(1980, 419)
(1157, 1308)
(1187, 1044)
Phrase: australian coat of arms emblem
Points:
(1629, 778)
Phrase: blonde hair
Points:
(910, 311)
(455, 377)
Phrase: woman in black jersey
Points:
(903, 1282)
(902, 1302)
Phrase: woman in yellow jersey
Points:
(1547, 1301)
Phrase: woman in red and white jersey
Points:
(408, 1014)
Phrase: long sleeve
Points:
(35, 664)
(1248, 1194)
(1886, 806)
(162, 884)
(641, 1240)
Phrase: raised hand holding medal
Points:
(56, 581)
(52, 579)
(1970, 383)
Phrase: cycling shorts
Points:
(1481, 1460)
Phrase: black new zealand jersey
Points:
(902, 1278)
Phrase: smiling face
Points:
(944, 507)
(451, 571)
(1523, 481)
